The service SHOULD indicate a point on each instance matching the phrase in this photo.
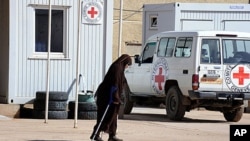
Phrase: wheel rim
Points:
(172, 103)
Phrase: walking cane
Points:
(112, 90)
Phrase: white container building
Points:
(193, 16)
(23, 44)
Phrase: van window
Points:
(148, 52)
(210, 51)
(235, 50)
(166, 47)
(183, 47)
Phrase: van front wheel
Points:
(128, 104)
(174, 107)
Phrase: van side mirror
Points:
(137, 58)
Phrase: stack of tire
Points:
(57, 105)
(87, 108)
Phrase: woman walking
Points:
(108, 100)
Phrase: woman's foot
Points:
(97, 138)
(114, 138)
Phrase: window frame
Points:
(184, 46)
(231, 52)
(212, 55)
(166, 47)
(53, 55)
(148, 52)
(153, 25)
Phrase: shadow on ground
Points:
(164, 118)
(48, 140)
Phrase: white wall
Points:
(196, 16)
(28, 74)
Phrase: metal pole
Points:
(48, 65)
(77, 64)
(120, 29)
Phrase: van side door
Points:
(211, 68)
(139, 74)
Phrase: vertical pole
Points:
(77, 64)
(120, 29)
(48, 64)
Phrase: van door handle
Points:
(185, 71)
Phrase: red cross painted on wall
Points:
(92, 12)
(159, 79)
(241, 76)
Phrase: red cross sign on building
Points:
(92, 12)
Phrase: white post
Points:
(120, 29)
(48, 65)
(77, 64)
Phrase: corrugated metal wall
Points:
(196, 16)
(217, 17)
(29, 74)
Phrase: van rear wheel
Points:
(174, 107)
(128, 104)
(235, 115)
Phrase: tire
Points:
(87, 115)
(174, 107)
(51, 114)
(235, 115)
(53, 96)
(53, 105)
(83, 114)
(128, 104)
(83, 106)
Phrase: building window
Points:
(153, 22)
(57, 32)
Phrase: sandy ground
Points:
(143, 124)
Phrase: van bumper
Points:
(219, 95)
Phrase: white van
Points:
(191, 69)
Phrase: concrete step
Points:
(16, 110)
(10, 110)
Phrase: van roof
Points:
(210, 33)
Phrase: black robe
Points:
(114, 78)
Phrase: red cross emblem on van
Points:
(159, 78)
(159, 75)
(241, 75)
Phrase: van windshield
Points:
(148, 52)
